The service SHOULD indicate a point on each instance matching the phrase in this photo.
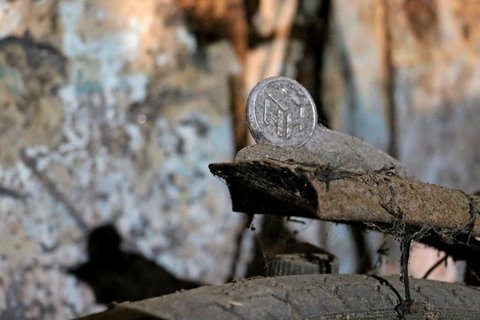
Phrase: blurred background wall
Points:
(110, 112)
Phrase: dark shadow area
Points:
(312, 27)
(116, 276)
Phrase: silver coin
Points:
(280, 111)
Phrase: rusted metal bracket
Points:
(299, 168)
(379, 200)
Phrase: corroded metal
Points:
(280, 111)
(380, 200)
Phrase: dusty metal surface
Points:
(331, 194)
(380, 200)
(306, 297)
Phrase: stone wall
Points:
(107, 116)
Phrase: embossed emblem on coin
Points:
(280, 111)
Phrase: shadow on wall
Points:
(116, 276)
